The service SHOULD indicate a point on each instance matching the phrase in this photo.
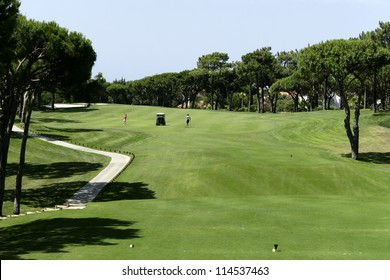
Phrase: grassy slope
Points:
(229, 187)
(51, 174)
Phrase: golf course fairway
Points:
(230, 186)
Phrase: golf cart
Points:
(160, 119)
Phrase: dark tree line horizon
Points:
(261, 82)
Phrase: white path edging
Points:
(90, 190)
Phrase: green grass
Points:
(51, 174)
(228, 187)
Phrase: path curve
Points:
(90, 190)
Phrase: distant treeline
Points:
(306, 79)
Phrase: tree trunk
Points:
(6, 136)
(40, 100)
(328, 101)
(250, 99)
(295, 98)
(274, 100)
(262, 100)
(257, 93)
(6, 123)
(258, 100)
(19, 176)
(353, 135)
(230, 97)
(193, 99)
(355, 145)
(356, 131)
(276, 103)
(324, 100)
(375, 93)
(365, 98)
(212, 93)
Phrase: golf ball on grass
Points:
(131, 246)
(273, 250)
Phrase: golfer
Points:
(188, 119)
(124, 119)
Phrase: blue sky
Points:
(138, 38)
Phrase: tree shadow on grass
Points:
(54, 235)
(68, 110)
(373, 157)
(379, 158)
(54, 170)
(55, 192)
(75, 130)
(46, 196)
(55, 133)
(54, 120)
(17, 135)
(385, 120)
(125, 191)
(59, 193)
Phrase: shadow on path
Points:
(46, 196)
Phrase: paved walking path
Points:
(91, 190)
